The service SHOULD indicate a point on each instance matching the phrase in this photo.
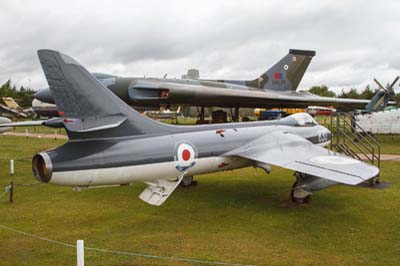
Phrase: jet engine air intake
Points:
(42, 167)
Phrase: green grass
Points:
(390, 144)
(40, 129)
(241, 216)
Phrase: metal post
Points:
(80, 253)
(12, 167)
(236, 118)
(11, 192)
(202, 113)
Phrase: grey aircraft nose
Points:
(44, 95)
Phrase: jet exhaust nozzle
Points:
(42, 167)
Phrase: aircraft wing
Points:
(151, 92)
(298, 154)
(206, 93)
(9, 110)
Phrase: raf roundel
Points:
(185, 157)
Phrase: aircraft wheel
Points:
(374, 181)
(188, 181)
(298, 200)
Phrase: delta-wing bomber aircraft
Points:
(110, 143)
(277, 87)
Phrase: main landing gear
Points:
(235, 114)
(201, 116)
(188, 181)
(299, 193)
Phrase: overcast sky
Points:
(355, 41)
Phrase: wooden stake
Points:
(11, 192)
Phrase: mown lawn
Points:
(243, 216)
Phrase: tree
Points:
(23, 96)
(322, 91)
(396, 98)
(352, 93)
(368, 93)
(5, 88)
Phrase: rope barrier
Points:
(123, 252)
(28, 184)
(6, 189)
(167, 258)
(38, 237)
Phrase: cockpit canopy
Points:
(103, 75)
(300, 120)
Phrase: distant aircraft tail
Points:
(287, 73)
(10, 102)
(87, 107)
(382, 97)
(379, 102)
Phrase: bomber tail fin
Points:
(88, 109)
(287, 73)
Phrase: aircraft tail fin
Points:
(287, 73)
(378, 102)
(382, 97)
(11, 103)
(88, 109)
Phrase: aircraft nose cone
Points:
(44, 95)
(327, 134)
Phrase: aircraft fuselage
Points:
(146, 158)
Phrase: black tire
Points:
(187, 181)
(298, 200)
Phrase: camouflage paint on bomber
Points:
(276, 87)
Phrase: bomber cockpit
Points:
(103, 75)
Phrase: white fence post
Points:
(80, 256)
(12, 167)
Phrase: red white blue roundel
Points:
(185, 157)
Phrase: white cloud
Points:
(355, 41)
